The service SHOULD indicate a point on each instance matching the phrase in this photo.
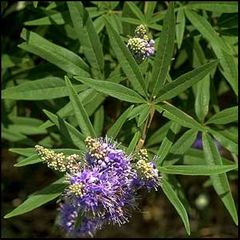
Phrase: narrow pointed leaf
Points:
(222, 7)
(41, 89)
(57, 55)
(87, 36)
(197, 170)
(184, 142)
(174, 199)
(80, 112)
(116, 127)
(143, 115)
(133, 143)
(225, 116)
(167, 143)
(225, 141)
(39, 198)
(112, 89)
(99, 121)
(221, 49)
(164, 51)
(175, 114)
(158, 135)
(220, 182)
(126, 60)
(67, 130)
(180, 27)
(185, 81)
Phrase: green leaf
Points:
(99, 121)
(225, 141)
(222, 7)
(158, 135)
(133, 143)
(196, 157)
(221, 49)
(136, 111)
(56, 18)
(143, 115)
(80, 112)
(23, 151)
(39, 198)
(164, 51)
(185, 81)
(184, 142)
(202, 88)
(197, 170)
(87, 36)
(112, 89)
(67, 130)
(180, 27)
(126, 60)
(225, 116)
(116, 127)
(29, 160)
(136, 11)
(174, 199)
(41, 89)
(149, 10)
(167, 143)
(57, 55)
(220, 182)
(35, 4)
(175, 114)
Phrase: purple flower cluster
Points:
(104, 189)
(141, 46)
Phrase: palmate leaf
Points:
(176, 202)
(164, 50)
(126, 60)
(220, 182)
(185, 81)
(39, 198)
(112, 89)
(87, 36)
(41, 89)
(57, 55)
(116, 127)
(79, 111)
(196, 170)
(219, 46)
(225, 116)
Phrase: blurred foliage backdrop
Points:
(22, 106)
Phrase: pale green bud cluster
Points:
(58, 161)
(77, 189)
(145, 169)
(95, 148)
(141, 32)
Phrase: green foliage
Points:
(73, 66)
